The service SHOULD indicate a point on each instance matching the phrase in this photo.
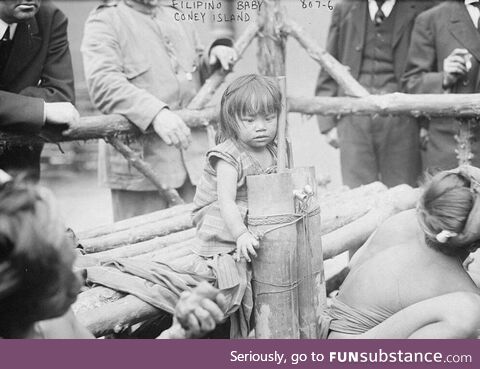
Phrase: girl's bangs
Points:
(256, 99)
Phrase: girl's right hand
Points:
(246, 245)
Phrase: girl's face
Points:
(257, 131)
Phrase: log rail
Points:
(460, 106)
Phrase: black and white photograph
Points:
(227, 169)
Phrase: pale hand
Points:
(223, 54)
(63, 113)
(171, 129)
(246, 245)
(455, 66)
(200, 310)
(332, 137)
(424, 138)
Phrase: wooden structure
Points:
(348, 219)
(114, 310)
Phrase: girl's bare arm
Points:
(227, 192)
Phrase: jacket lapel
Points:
(26, 44)
(406, 11)
(462, 28)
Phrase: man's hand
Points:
(223, 54)
(332, 137)
(455, 66)
(171, 129)
(246, 245)
(199, 311)
(424, 138)
(61, 113)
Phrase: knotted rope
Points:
(302, 213)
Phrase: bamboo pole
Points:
(135, 221)
(169, 194)
(337, 71)
(275, 271)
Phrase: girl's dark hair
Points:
(35, 259)
(248, 95)
(445, 205)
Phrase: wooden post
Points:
(312, 297)
(282, 127)
(271, 39)
(288, 280)
(275, 272)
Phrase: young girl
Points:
(249, 113)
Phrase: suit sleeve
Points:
(57, 74)
(109, 88)
(326, 85)
(421, 73)
(23, 112)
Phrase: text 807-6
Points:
(316, 4)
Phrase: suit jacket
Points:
(136, 66)
(346, 39)
(436, 34)
(39, 70)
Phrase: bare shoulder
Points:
(402, 223)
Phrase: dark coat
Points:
(372, 148)
(346, 40)
(39, 70)
(436, 34)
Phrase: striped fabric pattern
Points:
(214, 236)
(216, 244)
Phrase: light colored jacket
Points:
(136, 65)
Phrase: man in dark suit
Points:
(444, 57)
(36, 77)
(371, 38)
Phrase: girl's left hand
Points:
(246, 245)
